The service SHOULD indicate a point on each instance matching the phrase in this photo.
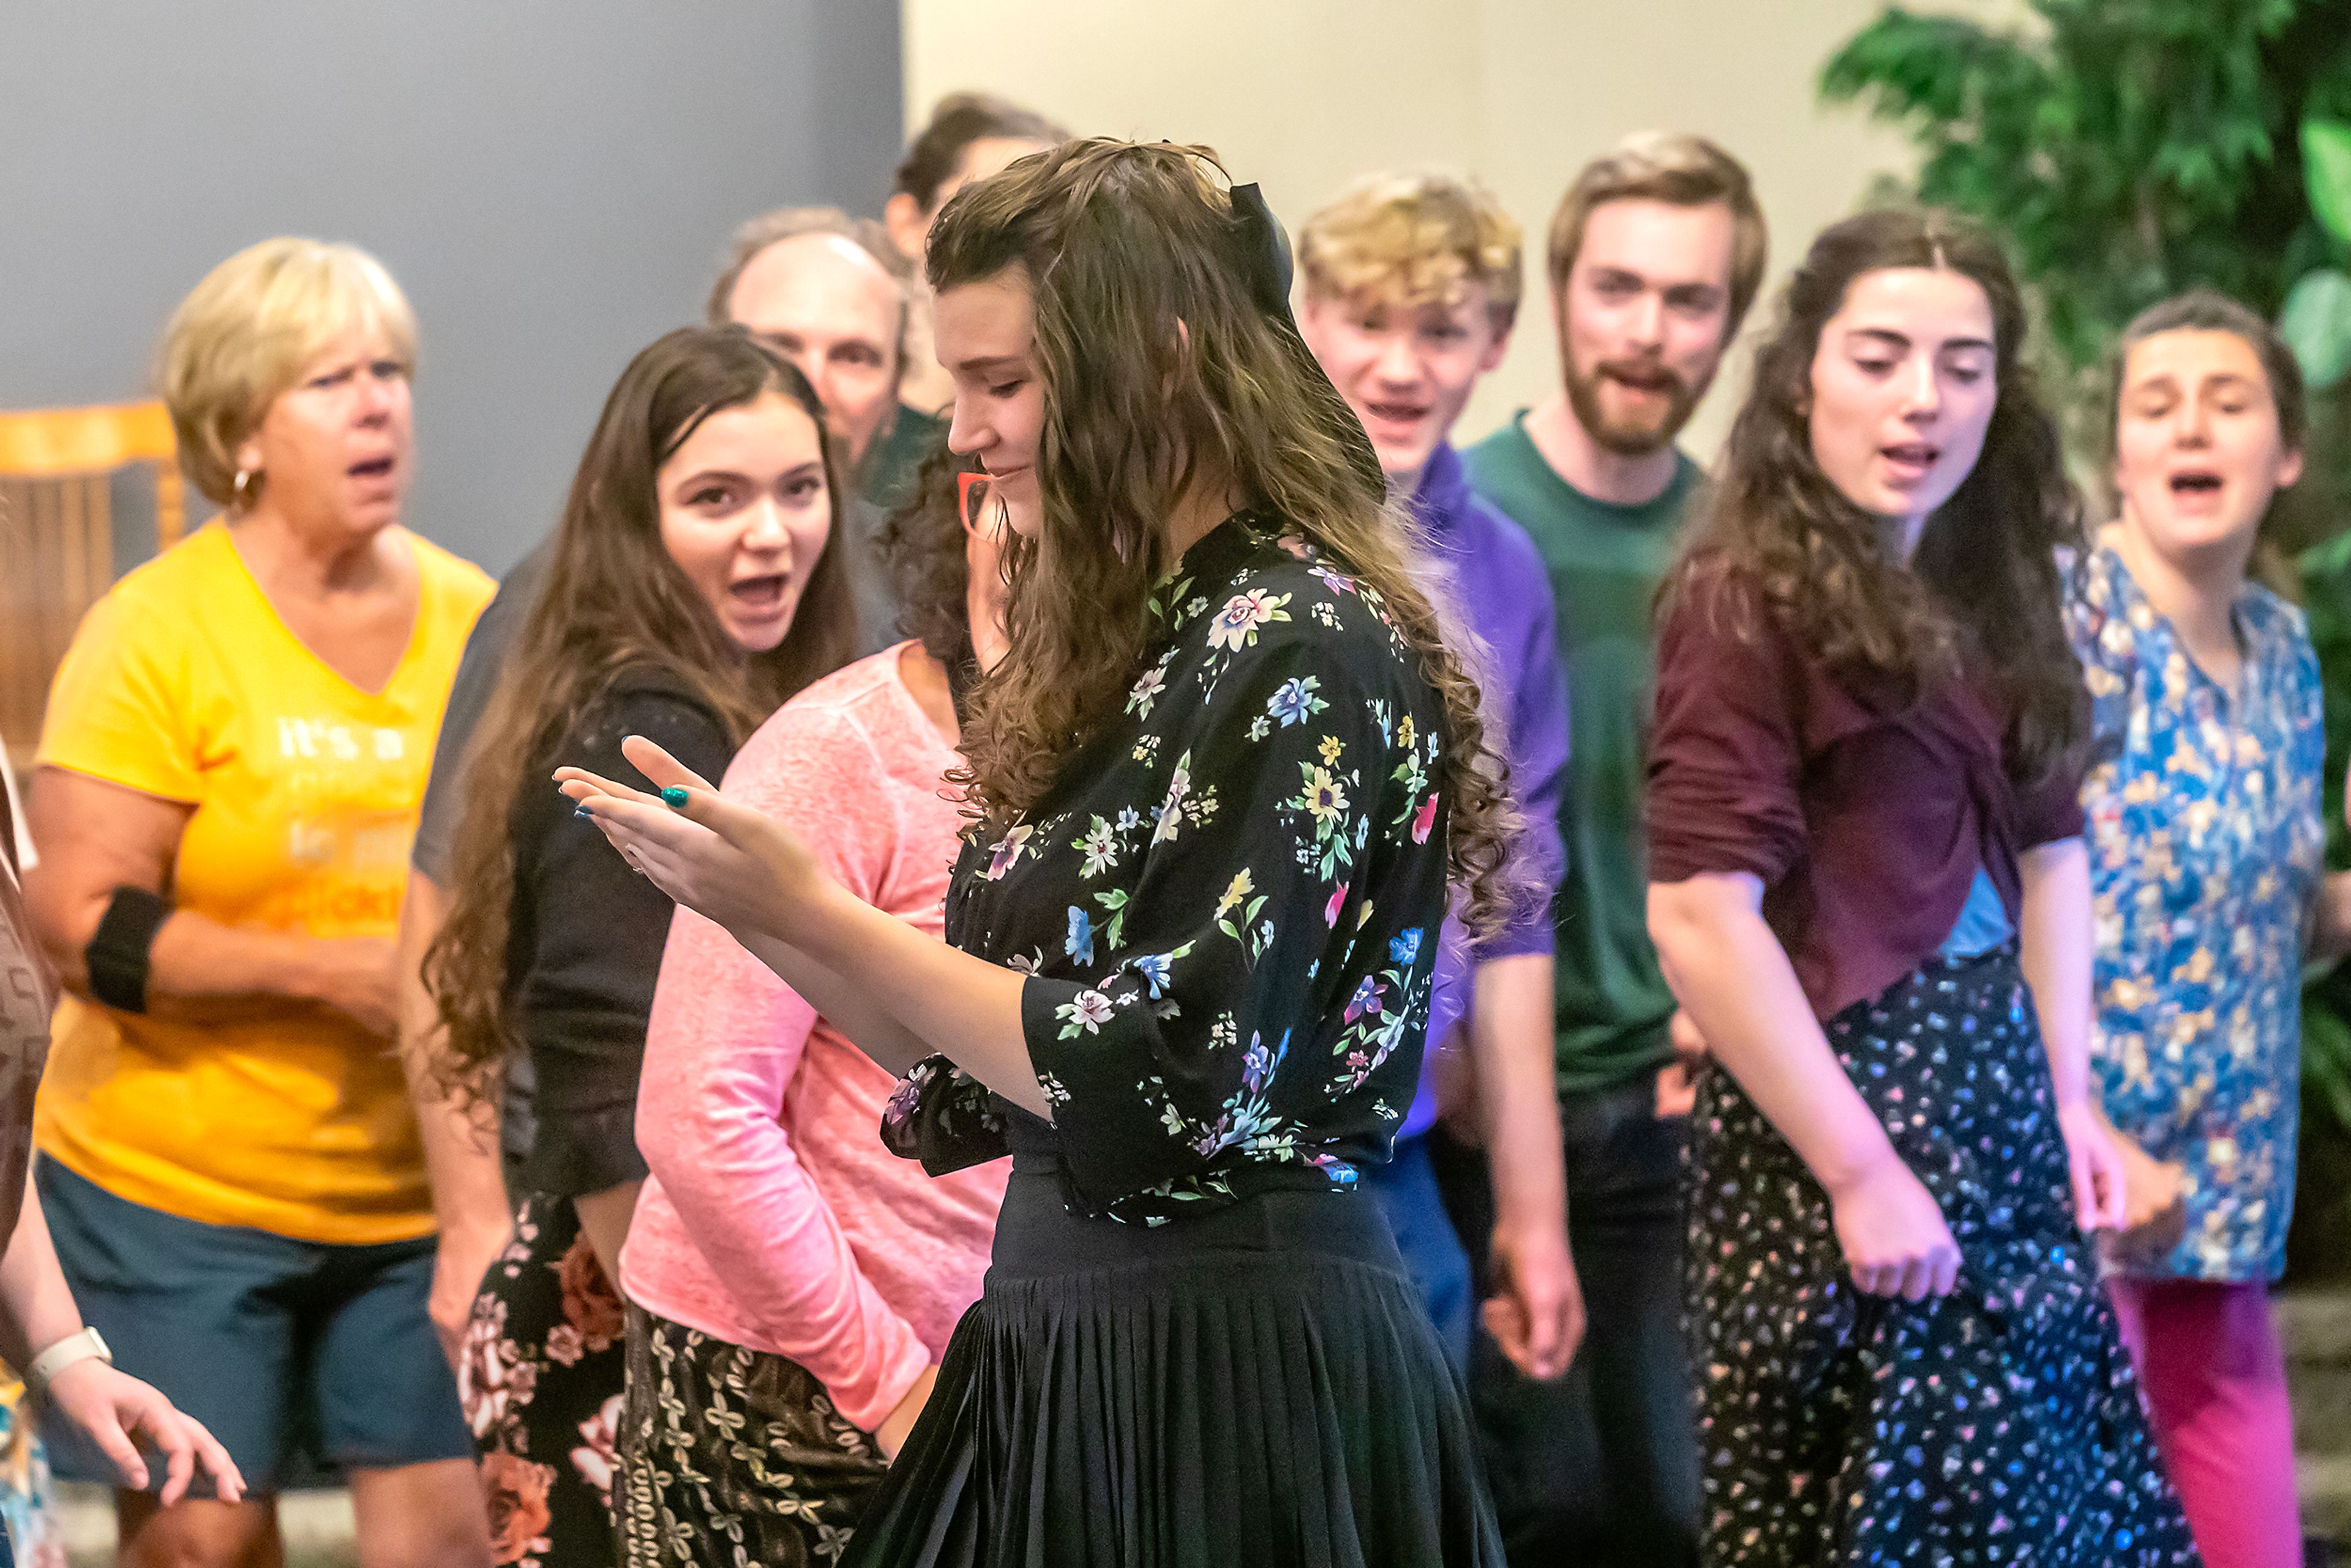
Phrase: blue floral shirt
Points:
(1227, 904)
(2206, 842)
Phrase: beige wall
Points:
(1302, 95)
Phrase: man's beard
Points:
(1636, 438)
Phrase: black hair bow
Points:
(1265, 250)
(1264, 255)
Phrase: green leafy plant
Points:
(2321, 1220)
(2316, 321)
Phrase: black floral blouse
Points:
(1229, 905)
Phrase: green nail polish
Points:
(674, 796)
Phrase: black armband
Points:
(116, 955)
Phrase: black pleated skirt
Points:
(1258, 1384)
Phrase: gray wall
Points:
(551, 181)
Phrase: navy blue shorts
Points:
(293, 1353)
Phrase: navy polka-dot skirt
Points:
(1999, 1425)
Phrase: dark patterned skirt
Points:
(2000, 1424)
(541, 1387)
(1256, 1386)
(732, 1455)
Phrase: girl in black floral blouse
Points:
(1220, 782)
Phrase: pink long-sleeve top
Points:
(774, 1219)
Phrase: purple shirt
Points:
(1504, 592)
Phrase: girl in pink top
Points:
(793, 1283)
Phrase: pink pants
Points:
(2207, 1357)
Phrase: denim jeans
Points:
(1406, 1189)
(1601, 1465)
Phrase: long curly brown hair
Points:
(929, 570)
(614, 599)
(1983, 588)
(1160, 368)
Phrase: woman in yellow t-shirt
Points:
(228, 780)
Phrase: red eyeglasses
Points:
(973, 494)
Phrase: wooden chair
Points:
(57, 537)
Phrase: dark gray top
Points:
(478, 669)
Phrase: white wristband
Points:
(74, 1347)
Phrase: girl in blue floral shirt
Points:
(2202, 797)
(1221, 783)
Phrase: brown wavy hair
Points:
(1983, 588)
(1160, 369)
(923, 551)
(613, 601)
(957, 121)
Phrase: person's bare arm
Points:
(939, 1000)
(2330, 920)
(37, 1311)
(1537, 1315)
(1729, 971)
(460, 1138)
(96, 837)
(2055, 948)
(854, 1012)
(2053, 940)
(914, 995)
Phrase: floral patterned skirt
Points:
(732, 1455)
(2000, 1424)
(541, 1387)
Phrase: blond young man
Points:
(1412, 285)
(1655, 253)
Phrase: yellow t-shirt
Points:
(282, 1115)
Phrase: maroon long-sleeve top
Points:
(1865, 819)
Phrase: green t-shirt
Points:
(1605, 562)
(893, 462)
(882, 483)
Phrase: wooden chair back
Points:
(57, 537)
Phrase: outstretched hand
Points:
(721, 860)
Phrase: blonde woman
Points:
(228, 780)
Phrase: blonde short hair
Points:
(242, 336)
(1682, 170)
(1415, 239)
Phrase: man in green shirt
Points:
(1655, 254)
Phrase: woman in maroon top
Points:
(1869, 891)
